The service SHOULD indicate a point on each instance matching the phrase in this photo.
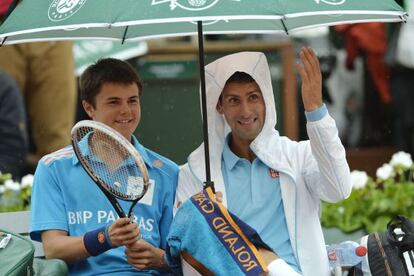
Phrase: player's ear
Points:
(219, 106)
(88, 107)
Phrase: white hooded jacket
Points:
(309, 170)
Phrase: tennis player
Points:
(270, 182)
(72, 217)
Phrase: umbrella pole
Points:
(201, 62)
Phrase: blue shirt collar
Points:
(135, 143)
(230, 159)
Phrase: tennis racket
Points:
(112, 162)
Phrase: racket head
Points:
(110, 159)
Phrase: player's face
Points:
(243, 106)
(118, 106)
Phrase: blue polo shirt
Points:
(65, 198)
(253, 194)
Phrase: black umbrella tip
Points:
(3, 41)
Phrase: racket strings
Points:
(111, 163)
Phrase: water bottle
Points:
(345, 254)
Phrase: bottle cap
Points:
(361, 251)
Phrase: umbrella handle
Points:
(208, 182)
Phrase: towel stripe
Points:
(243, 252)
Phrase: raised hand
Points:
(311, 76)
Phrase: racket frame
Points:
(95, 125)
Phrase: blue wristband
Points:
(96, 242)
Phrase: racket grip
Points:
(97, 241)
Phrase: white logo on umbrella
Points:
(331, 2)
(63, 9)
(190, 5)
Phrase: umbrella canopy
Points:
(131, 20)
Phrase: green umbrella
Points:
(131, 20)
(142, 19)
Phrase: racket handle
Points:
(114, 202)
(118, 208)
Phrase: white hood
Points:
(217, 73)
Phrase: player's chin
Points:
(126, 134)
(248, 135)
(127, 127)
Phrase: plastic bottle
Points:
(345, 254)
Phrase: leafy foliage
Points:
(372, 205)
(15, 196)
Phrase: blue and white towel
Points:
(225, 245)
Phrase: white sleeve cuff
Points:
(280, 268)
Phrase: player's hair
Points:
(107, 70)
(240, 77)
